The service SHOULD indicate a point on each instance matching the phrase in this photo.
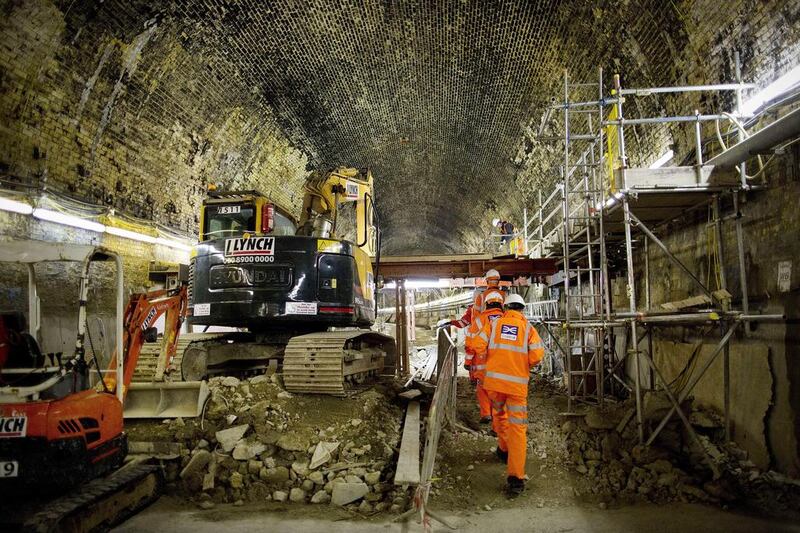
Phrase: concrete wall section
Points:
(57, 282)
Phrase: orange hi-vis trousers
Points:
(510, 422)
(484, 404)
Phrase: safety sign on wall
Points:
(784, 276)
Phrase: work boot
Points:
(485, 419)
(515, 486)
(502, 455)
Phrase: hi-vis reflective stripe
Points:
(510, 347)
(518, 408)
(520, 421)
(485, 338)
(479, 323)
(507, 377)
(536, 346)
(480, 367)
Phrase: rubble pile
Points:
(256, 442)
(603, 447)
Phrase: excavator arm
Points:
(324, 192)
(142, 311)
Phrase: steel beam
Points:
(459, 266)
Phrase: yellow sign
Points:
(328, 245)
(612, 155)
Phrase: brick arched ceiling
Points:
(140, 104)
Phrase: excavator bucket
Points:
(166, 399)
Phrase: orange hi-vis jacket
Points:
(479, 301)
(479, 361)
(512, 346)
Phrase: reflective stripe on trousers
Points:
(518, 414)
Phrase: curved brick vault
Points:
(139, 105)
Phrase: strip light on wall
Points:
(173, 244)
(128, 234)
(420, 284)
(663, 160)
(67, 220)
(49, 215)
(15, 207)
(771, 91)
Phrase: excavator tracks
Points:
(329, 362)
(101, 503)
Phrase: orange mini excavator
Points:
(61, 418)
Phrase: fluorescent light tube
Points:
(133, 235)
(663, 160)
(15, 207)
(68, 220)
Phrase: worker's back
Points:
(513, 348)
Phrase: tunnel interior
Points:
(121, 119)
(138, 107)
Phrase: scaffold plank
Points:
(408, 463)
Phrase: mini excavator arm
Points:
(141, 313)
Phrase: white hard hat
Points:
(514, 299)
(494, 297)
(492, 274)
(495, 221)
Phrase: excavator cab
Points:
(229, 214)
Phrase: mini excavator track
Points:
(328, 362)
(102, 502)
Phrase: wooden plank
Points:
(407, 472)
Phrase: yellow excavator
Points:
(300, 294)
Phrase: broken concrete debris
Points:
(348, 492)
(229, 438)
(607, 452)
(258, 443)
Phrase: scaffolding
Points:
(602, 204)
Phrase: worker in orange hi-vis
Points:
(512, 347)
(492, 278)
(463, 322)
(494, 310)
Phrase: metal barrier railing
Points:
(442, 409)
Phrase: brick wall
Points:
(109, 103)
(139, 105)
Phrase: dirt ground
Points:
(468, 491)
(470, 479)
(551, 483)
